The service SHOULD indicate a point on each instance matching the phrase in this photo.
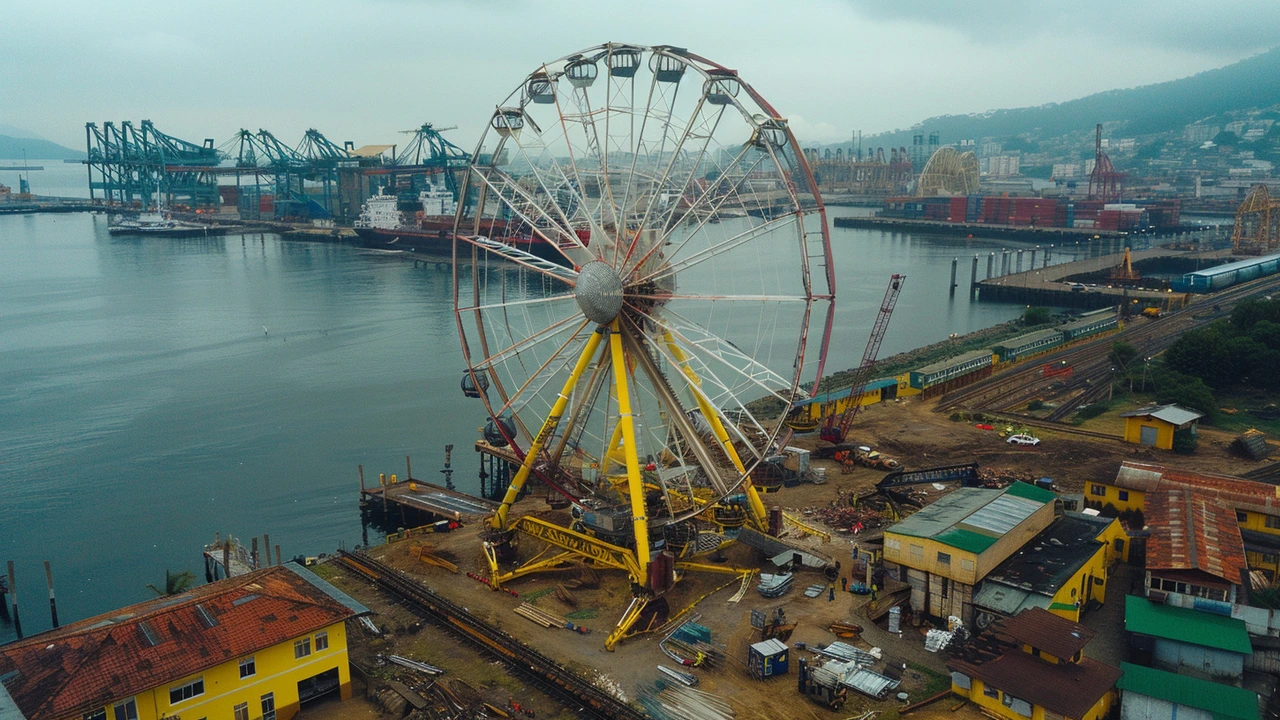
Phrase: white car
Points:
(1021, 439)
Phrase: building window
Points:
(892, 544)
(1099, 490)
(1267, 558)
(248, 668)
(1273, 522)
(1124, 495)
(186, 692)
(1242, 517)
(966, 564)
(917, 552)
(322, 640)
(269, 706)
(944, 558)
(990, 691)
(946, 585)
(127, 710)
(99, 714)
(301, 648)
(240, 711)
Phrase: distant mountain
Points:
(37, 149)
(1149, 109)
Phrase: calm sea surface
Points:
(156, 391)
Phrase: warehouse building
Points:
(1187, 642)
(945, 549)
(1152, 694)
(1224, 276)
(1062, 570)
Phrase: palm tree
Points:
(175, 583)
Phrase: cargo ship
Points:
(382, 225)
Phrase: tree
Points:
(175, 583)
(1267, 333)
(1251, 312)
(1036, 316)
(1226, 137)
(1184, 442)
(1200, 354)
(1188, 391)
(1122, 352)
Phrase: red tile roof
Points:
(1236, 492)
(1054, 634)
(94, 662)
(1192, 531)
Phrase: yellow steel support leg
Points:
(722, 436)
(499, 519)
(635, 485)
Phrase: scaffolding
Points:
(873, 175)
(1257, 227)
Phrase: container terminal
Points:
(659, 533)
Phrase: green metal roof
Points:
(1031, 492)
(965, 540)
(1226, 702)
(1189, 626)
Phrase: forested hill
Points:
(1250, 83)
(11, 148)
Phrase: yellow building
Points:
(1033, 666)
(810, 413)
(258, 646)
(1154, 425)
(1256, 504)
(947, 547)
(1063, 570)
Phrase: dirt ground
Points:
(908, 430)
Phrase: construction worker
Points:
(831, 592)
(844, 584)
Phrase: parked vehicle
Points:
(1022, 439)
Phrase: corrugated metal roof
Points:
(1238, 493)
(1006, 599)
(1054, 634)
(1173, 414)
(772, 646)
(369, 150)
(1089, 320)
(1183, 625)
(1224, 701)
(974, 518)
(325, 587)
(1193, 531)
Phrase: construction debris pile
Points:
(849, 519)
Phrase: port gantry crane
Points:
(627, 374)
(833, 430)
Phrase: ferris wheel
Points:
(643, 287)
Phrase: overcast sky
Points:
(364, 70)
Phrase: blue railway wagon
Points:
(1025, 346)
(1224, 276)
(1090, 324)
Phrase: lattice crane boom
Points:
(831, 431)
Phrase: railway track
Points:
(1092, 366)
(548, 675)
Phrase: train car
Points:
(1025, 346)
(1090, 323)
(951, 373)
(1224, 276)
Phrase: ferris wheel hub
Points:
(599, 292)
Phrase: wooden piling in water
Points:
(53, 603)
(253, 554)
(226, 557)
(13, 601)
(278, 556)
(266, 543)
(955, 262)
(973, 274)
(408, 469)
(361, 469)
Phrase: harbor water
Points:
(156, 391)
